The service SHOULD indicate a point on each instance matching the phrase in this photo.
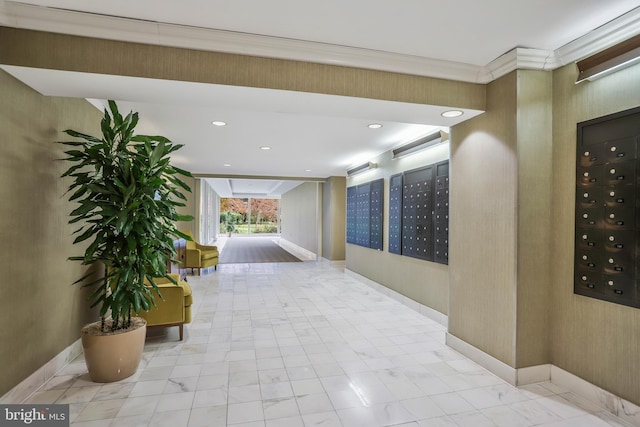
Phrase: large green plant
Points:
(128, 193)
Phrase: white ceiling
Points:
(311, 135)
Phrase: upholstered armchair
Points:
(174, 308)
(200, 256)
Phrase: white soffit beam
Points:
(40, 18)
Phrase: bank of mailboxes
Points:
(365, 214)
(419, 213)
(607, 212)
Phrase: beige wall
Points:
(41, 312)
(596, 340)
(422, 281)
(482, 230)
(334, 197)
(301, 212)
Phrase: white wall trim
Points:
(516, 377)
(298, 251)
(33, 382)
(335, 263)
(619, 407)
(535, 374)
(429, 312)
(483, 359)
(42, 18)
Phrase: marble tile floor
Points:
(301, 345)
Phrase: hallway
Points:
(304, 344)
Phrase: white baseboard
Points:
(33, 382)
(298, 251)
(335, 263)
(483, 359)
(619, 407)
(429, 312)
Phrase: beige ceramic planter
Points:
(115, 356)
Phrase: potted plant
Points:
(128, 192)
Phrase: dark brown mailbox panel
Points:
(607, 230)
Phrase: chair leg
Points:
(198, 271)
(180, 328)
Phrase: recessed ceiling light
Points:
(218, 123)
(226, 165)
(307, 170)
(374, 126)
(265, 147)
(452, 113)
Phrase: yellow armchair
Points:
(174, 309)
(200, 256)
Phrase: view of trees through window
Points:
(249, 215)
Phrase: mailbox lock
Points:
(585, 195)
(613, 148)
(612, 193)
(586, 174)
(612, 216)
(586, 153)
(585, 215)
(612, 171)
(611, 238)
(584, 257)
(610, 282)
(610, 260)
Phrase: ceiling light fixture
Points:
(362, 168)
(374, 126)
(265, 147)
(452, 113)
(610, 60)
(226, 165)
(218, 123)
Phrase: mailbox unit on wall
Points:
(419, 213)
(607, 230)
(365, 214)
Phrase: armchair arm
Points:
(170, 308)
(193, 258)
(206, 248)
(164, 280)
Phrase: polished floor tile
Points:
(306, 345)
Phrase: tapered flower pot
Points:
(113, 356)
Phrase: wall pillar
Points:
(500, 203)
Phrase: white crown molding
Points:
(41, 18)
(616, 31)
(517, 59)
